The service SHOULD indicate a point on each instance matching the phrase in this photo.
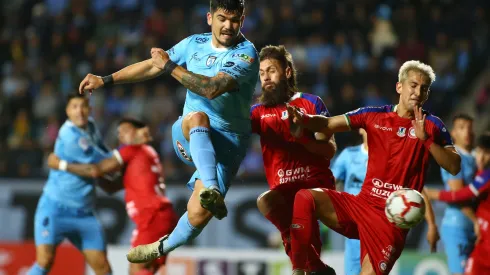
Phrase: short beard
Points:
(278, 95)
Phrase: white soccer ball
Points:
(405, 208)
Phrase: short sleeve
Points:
(241, 64)
(178, 52)
(438, 131)
(125, 154)
(481, 183)
(357, 118)
(319, 106)
(255, 119)
(339, 166)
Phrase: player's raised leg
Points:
(196, 130)
(367, 267)
(188, 227)
(98, 261)
(309, 206)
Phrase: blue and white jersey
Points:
(351, 167)
(75, 145)
(453, 215)
(230, 111)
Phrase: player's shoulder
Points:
(386, 109)
(308, 97)
(245, 51)
(69, 130)
(435, 121)
(256, 108)
(199, 38)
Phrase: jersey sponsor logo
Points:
(383, 128)
(244, 57)
(241, 70)
(284, 115)
(267, 116)
(182, 151)
(402, 131)
(229, 64)
(292, 175)
(201, 40)
(411, 133)
(383, 189)
(210, 61)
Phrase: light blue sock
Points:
(37, 270)
(183, 233)
(203, 155)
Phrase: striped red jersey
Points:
(397, 158)
(285, 160)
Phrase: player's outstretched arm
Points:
(205, 86)
(137, 72)
(319, 123)
(83, 170)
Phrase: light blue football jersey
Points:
(75, 145)
(230, 111)
(453, 215)
(351, 167)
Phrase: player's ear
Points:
(289, 72)
(209, 16)
(399, 87)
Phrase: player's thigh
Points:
(352, 257)
(194, 119)
(367, 267)
(48, 229)
(98, 261)
(86, 233)
(198, 216)
(458, 246)
(270, 200)
(325, 210)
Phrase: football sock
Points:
(37, 270)
(183, 233)
(144, 272)
(301, 228)
(203, 155)
(280, 216)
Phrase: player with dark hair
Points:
(477, 263)
(400, 139)
(67, 205)
(457, 223)
(290, 164)
(144, 183)
(220, 76)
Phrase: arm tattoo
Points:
(208, 87)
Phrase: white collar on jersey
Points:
(218, 49)
(295, 96)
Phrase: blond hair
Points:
(415, 65)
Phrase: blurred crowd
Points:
(347, 52)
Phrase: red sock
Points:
(301, 228)
(281, 216)
(314, 261)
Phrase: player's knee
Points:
(198, 216)
(264, 202)
(100, 265)
(198, 119)
(304, 196)
(45, 260)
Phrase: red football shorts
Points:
(379, 238)
(478, 263)
(289, 190)
(151, 225)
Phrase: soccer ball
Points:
(405, 208)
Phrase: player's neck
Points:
(403, 112)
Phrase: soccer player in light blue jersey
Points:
(457, 224)
(66, 207)
(220, 71)
(350, 168)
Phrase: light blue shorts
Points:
(230, 151)
(458, 244)
(54, 222)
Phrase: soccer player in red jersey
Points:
(290, 164)
(479, 261)
(400, 138)
(144, 184)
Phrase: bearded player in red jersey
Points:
(401, 138)
(479, 261)
(143, 181)
(290, 164)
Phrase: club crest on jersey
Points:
(411, 133)
(83, 143)
(284, 115)
(182, 151)
(401, 131)
(210, 61)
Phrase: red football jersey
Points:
(142, 175)
(397, 158)
(286, 160)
